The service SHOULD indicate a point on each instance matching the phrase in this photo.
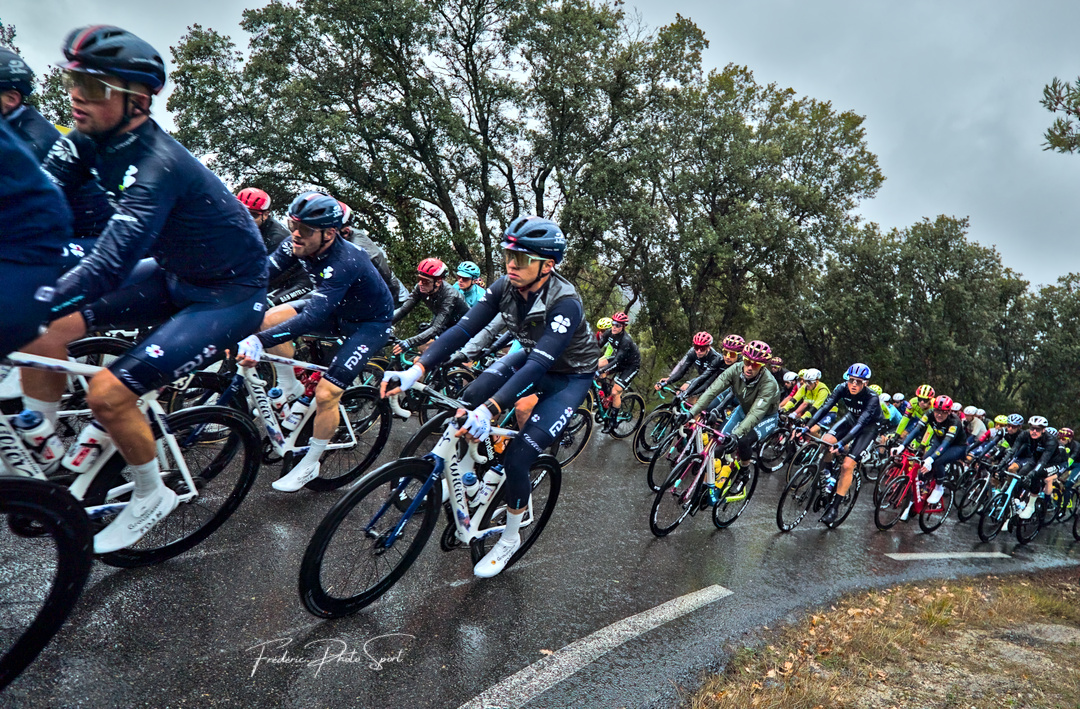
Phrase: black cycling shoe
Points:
(830, 514)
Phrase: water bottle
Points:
(40, 438)
(491, 481)
(296, 413)
(277, 399)
(93, 443)
(471, 483)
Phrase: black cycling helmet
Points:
(535, 235)
(317, 210)
(104, 49)
(14, 74)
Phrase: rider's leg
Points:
(42, 390)
(286, 376)
(523, 409)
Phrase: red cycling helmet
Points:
(702, 339)
(620, 318)
(254, 198)
(757, 351)
(346, 213)
(734, 343)
(1065, 434)
(432, 267)
(943, 403)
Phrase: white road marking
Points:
(950, 555)
(518, 689)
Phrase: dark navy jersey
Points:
(348, 290)
(168, 206)
(864, 407)
(35, 129)
(625, 354)
(691, 359)
(35, 223)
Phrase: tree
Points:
(1054, 387)
(1064, 98)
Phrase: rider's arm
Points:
(488, 338)
(911, 435)
(829, 403)
(442, 315)
(282, 259)
(719, 384)
(470, 325)
(870, 415)
(322, 302)
(950, 434)
(680, 368)
(407, 306)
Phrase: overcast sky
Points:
(950, 91)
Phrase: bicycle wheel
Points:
(573, 438)
(221, 451)
(351, 560)
(806, 454)
(932, 516)
(364, 428)
(773, 450)
(677, 496)
(44, 575)
(1068, 506)
(545, 479)
(847, 503)
(74, 411)
(630, 414)
(1028, 529)
(654, 429)
(664, 459)
(451, 384)
(891, 473)
(736, 496)
(972, 498)
(796, 499)
(893, 501)
(993, 518)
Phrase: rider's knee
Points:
(327, 395)
(107, 396)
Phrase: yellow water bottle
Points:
(723, 472)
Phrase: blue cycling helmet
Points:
(14, 74)
(317, 210)
(104, 49)
(1051, 430)
(858, 370)
(468, 269)
(1016, 420)
(535, 235)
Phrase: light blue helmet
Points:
(468, 269)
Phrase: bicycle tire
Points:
(726, 511)
(653, 430)
(630, 415)
(349, 529)
(545, 471)
(805, 454)
(849, 500)
(452, 384)
(894, 500)
(573, 438)
(668, 451)
(932, 518)
(971, 499)
(232, 479)
(772, 450)
(1028, 529)
(372, 417)
(891, 473)
(800, 493)
(993, 518)
(61, 517)
(684, 500)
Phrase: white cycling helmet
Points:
(897, 397)
(1038, 421)
(790, 377)
(812, 375)
(969, 410)
(885, 398)
(980, 412)
(956, 406)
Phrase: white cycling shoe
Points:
(495, 560)
(1029, 509)
(907, 511)
(296, 479)
(135, 521)
(936, 495)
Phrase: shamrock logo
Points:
(77, 250)
(560, 324)
(535, 418)
(327, 272)
(568, 411)
(154, 351)
(363, 348)
(129, 177)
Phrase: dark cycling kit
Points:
(447, 307)
(625, 360)
(208, 276)
(864, 408)
(35, 224)
(557, 362)
(350, 300)
(945, 442)
(1036, 455)
(691, 359)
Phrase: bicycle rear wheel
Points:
(545, 479)
(796, 499)
(736, 496)
(972, 498)
(221, 451)
(677, 496)
(932, 516)
(42, 575)
(891, 473)
(894, 499)
(1028, 529)
(350, 560)
(654, 429)
(773, 450)
(630, 414)
(847, 502)
(664, 459)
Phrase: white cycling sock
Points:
(513, 523)
(286, 377)
(147, 478)
(48, 409)
(318, 445)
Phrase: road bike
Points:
(813, 487)
(904, 492)
(627, 419)
(1008, 503)
(374, 533)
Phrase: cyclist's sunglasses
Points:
(305, 231)
(93, 88)
(1038, 428)
(856, 380)
(521, 259)
(701, 349)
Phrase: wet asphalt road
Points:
(189, 633)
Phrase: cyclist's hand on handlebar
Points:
(477, 423)
(897, 450)
(398, 349)
(400, 381)
(248, 351)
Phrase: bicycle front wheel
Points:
(221, 451)
(796, 499)
(545, 481)
(654, 429)
(676, 497)
(44, 574)
(932, 516)
(736, 496)
(573, 438)
(1028, 529)
(847, 502)
(993, 518)
(355, 555)
(890, 505)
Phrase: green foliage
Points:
(1064, 133)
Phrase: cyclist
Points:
(350, 301)
(919, 405)
(945, 442)
(257, 203)
(1065, 437)
(758, 394)
(603, 329)
(700, 356)
(1037, 454)
(558, 362)
(37, 225)
(973, 424)
(467, 275)
(730, 350)
(776, 366)
(852, 434)
(624, 363)
(445, 302)
(206, 282)
(16, 85)
(997, 440)
(900, 404)
(796, 384)
(810, 398)
(373, 250)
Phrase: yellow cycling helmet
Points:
(802, 374)
(604, 323)
(876, 389)
(1001, 420)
